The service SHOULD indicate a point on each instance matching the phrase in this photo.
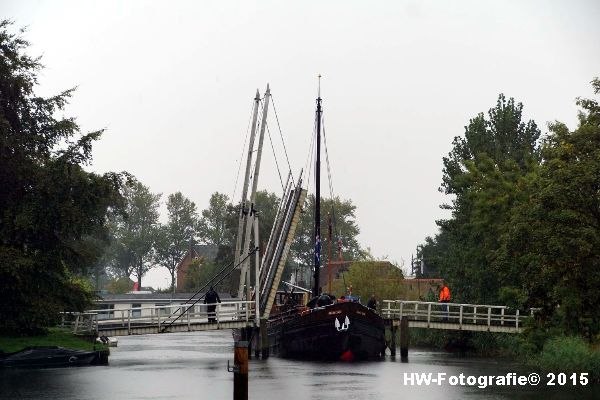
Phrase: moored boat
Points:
(47, 356)
(341, 331)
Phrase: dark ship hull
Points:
(49, 356)
(342, 331)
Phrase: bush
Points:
(568, 354)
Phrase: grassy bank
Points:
(557, 354)
(55, 337)
(568, 354)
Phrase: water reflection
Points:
(193, 366)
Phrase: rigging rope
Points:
(282, 141)
(242, 155)
(310, 156)
(275, 156)
(331, 191)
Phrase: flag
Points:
(318, 251)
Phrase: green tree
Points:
(51, 209)
(119, 285)
(174, 238)
(135, 232)
(551, 247)
(213, 227)
(485, 173)
(379, 278)
(344, 228)
(199, 273)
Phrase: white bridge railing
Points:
(159, 316)
(454, 315)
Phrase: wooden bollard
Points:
(240, 372)
(404, 337)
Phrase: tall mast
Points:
(318, 197)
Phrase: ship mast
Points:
(318, 197)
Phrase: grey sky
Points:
(173, 84)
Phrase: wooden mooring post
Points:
(404, 338)
(240, 371)
(392, 343)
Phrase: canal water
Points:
(194, 366)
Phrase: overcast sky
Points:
(172, 83)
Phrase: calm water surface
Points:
(193, 366)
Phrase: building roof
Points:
(149, 297)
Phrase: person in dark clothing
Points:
(324, 300)
(372, 303)
(211, 299)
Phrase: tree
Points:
(174, 238)
(119, 285)
(199, 273)
(212, 228)
(551, 247)
(344, 227)
(134, 231)
(379, 278)
(52, 212)
(485, 172)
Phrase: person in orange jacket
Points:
(445, 294)
(445, 298)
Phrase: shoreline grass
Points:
(55, 337)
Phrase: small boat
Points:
(47, 356)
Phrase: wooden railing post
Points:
(517, 320)
(76, 324)
(460, 315)
(188, 317)
(475, 315)
(428, 314)
(489, 318)
(158, 315)
(502, 317)
(129, 322)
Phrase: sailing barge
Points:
(326, 328)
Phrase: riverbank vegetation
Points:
(52, 211)
(53, 337)
(525, 230)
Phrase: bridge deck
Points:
(118, 330)
(164, 319)
(454, 316)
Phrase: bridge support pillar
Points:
(404, 339)
(264, 339)
(393, 330)
(240, 371)
(257, 342)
